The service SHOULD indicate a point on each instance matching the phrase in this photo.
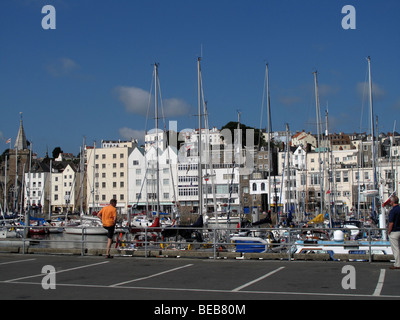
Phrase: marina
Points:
(216, 155)
(203, 240)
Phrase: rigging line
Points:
(161, 103)
(262, 105)
(141, 188)
(149, 102)
(363, 98)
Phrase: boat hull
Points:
(86, 230)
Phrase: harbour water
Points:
(69, 241)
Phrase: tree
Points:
(258, 136)
(56, 152)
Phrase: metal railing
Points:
(212, 242)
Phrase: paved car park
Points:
(69, 277)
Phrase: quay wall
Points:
(195, 254)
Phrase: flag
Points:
(8, 141)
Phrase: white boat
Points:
(250, 244)
(89, 226)
(223, 222)
(257, 241)
(141, 221)
(340, 246)
(7, 232)
(56, 227)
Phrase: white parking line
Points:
(152, 276)
(9, 262)
(258, 279)
(381, 280)
(66, 270)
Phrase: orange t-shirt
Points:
(108, 215)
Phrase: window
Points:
(263, 186)
(254, 187)
(135, 162)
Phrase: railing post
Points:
(215, 242)
(145, 242)
(83, 241)
(289, 246)
(370, 245)
(23, 239)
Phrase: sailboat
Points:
(89, 226)
(338, 244)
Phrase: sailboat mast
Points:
(318, 114)
(269, 140)
(200, 175)
(372, 126)
(156, 120)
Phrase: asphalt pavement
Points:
(163, 280)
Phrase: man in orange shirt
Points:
(108, 216)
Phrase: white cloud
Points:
(378, 92)
(62, 67)
(127, 133)
(139, 101)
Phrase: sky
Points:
(91, 76)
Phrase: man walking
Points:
(108, 216)
(394, 230)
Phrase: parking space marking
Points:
(152, 276)
(381, 280)
(17, 261)
(66, 270)
(258, 279)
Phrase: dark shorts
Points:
(110, 232)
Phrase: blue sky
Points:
(91, 75)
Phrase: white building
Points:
(107, 175)
(142, 176)
(64, 187)
(37, 184)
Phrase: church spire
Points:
(20, 142)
